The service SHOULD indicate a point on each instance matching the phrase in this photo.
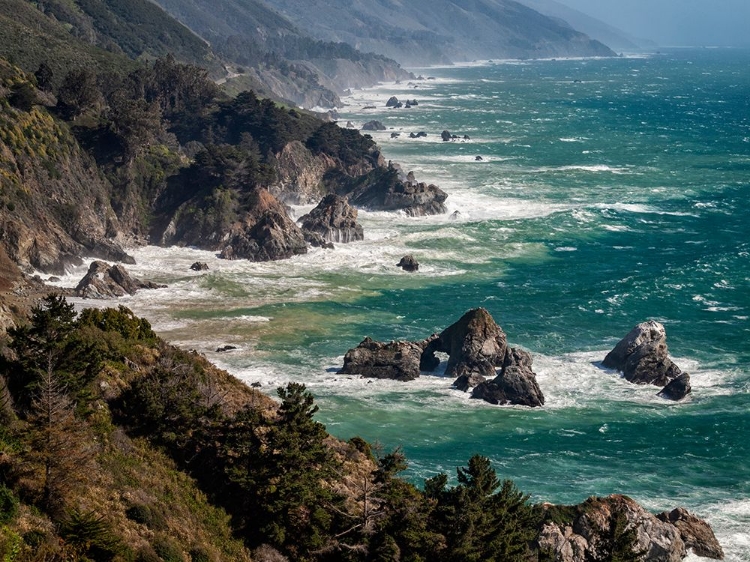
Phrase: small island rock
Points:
(392, 102)
(408, 263)
(199, 266)
(103, 281)
(373, 126)
(398, 360)
(334, 219)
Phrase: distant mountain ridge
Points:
(422, 32)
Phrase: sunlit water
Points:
(609, 192)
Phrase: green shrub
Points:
(167, 549)
(8, 505)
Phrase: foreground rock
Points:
(104, 281)
(587, 532)
(476, 347)
(334, 220)
(643, 358)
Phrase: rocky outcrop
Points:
(475, 345)
(600, 527)
(408, 263)
(643, 358)
(104, 281)
(300, 174)
(373, 126)
(199, 266)
(392, 102)
(695, 533)
(398, 360)
(273, 236)
(334, 220)
(383, 190)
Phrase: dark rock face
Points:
(678, 388)
(397, 360)
(373, 126)
(515, 384)
(695, 533)
(334, 220)
(199, 266)
(642, 356)
(475, 344)
(392, 102)
(446, 136)
(408, 263)
(104, 281)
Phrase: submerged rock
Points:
(104, 281)
(334, 220)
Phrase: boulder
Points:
(446, 136)
(334, 220)
(677, 389)
(373, 126)
(103, 281)
(223, 348)
(408, 263)
(515, 384)
(398, 360)
(642, 356)
(395, 135)
(695, 533)
(478, 158)
(199, 266)
(475, 345)
(392, 102)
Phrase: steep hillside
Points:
(426, 32)
(594, 28)
(252, 35)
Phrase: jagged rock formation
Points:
(643, 358)
(104, 281)
(398, 360)
(334, 220)
(383, 190)
(408, 263)
(373, 126)
(300, 174)
(584, 532)
(695, 533)
(475, 345)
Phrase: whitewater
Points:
(609, 192)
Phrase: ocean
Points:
(609, 192)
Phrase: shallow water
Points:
(610, 192)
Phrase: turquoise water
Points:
(609, 192)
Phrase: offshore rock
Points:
(398, 360)
(392, 102)
(696, 533)
(677, 389)
(642, 356)
(408, 263)
(334, 220)
(475, 345)
(446, 136)
(515, 384)
(199, 266)
(373, 126)
(104, 281)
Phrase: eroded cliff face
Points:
(300, 174)
(55, 204)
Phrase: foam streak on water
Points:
(609, 192)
